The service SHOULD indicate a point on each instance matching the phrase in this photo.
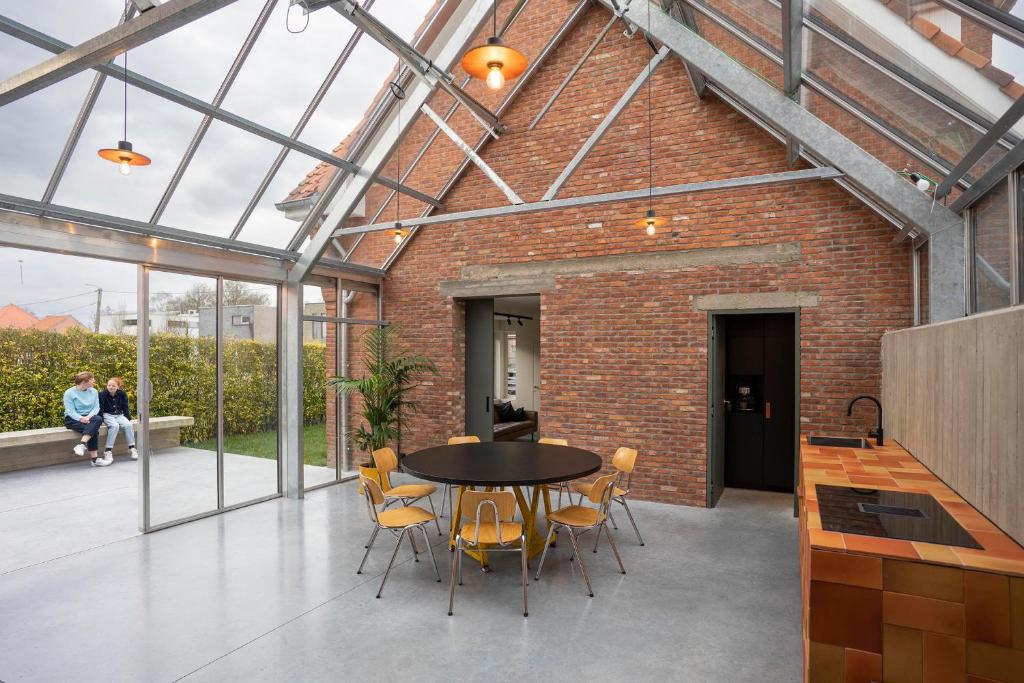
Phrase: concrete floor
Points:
(49, 512)
(269, 592)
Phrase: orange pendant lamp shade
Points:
(124, 156)
(651, 222)
(494, 63)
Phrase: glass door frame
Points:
(145, 396)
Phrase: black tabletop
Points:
(501, 463)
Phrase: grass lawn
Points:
(264, 444)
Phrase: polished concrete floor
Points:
(49, 512)
(269, 592)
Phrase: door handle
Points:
(727, 404)
(487, 404)
(767, 410)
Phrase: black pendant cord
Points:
(399, 92)
(494, 19)
(650, 129)
(125, 95)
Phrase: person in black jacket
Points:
(117, 416)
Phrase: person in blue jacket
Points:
(117, 416)
(81, 414)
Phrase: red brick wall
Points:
(623, 355)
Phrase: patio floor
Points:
(49, 512)
(269, 592)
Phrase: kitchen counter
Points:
(890, 609)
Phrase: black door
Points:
(479, 367)
(760, 398)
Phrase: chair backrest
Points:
(553, 442)
(602, 490)
(488, 507)
(456, 440)
(373, 494)
(386, 462)
(624, 460)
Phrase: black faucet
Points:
(878, 434)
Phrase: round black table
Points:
(504, 463)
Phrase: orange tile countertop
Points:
(890, 467)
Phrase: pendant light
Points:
(399, 232)
(123, 155)
(650, 222)
(494, 62)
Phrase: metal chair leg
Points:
(369, 544)
(437, 523)
(430, 550)
(451, 588)
(615, 549)
(632, 521)
(612, 519)
(522, 556)
(372, 534)
(388, 570)
(458, 552)
(583, 567)
(415, 551)
(597, 539)
(543, 555)
(444, 498)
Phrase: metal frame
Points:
(999, 171)
(1005, 122)
(1016, 241)
(606, 123)
(822, 173)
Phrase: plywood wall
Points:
(953, 395)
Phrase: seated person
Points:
(117, 416)
(81, 414)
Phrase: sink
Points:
(838, 441)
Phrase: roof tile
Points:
(947, 43)
(996, 74)
(1014, 90)
(924, 27)
(973, 58)
(14, 316)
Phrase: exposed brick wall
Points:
(623, 355)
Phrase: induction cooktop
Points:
(889, 514)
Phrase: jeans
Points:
(114, 424)
(90, 429)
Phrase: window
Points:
(990, 260)
(240, 320)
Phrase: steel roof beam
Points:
(974, 154)
(106, 46)
(424, 68)
(343, 194)
(786, 177)
(41, 40)
(684, 13)
(995, 175)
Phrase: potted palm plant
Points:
(391, 375)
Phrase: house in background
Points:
(184, 324)
(16, 317)
(247, 321)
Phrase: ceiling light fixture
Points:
(494, 62)
(398, 231)
(123, 155)
(650, 222)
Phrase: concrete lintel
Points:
(532, 271)
(756, 300)
(510, 286)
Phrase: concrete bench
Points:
(31, 448)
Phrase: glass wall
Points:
(991, 246)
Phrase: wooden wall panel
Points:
(953, 395)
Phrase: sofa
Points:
(508, 431)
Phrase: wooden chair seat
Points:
(584, 487)
(577, 516)
(400, 518)
(410, 491)
(510, 531)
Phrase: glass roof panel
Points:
(157, 128)
(716, 23)
(33, 130)
(268, 225)
(85, 20)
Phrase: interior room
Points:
(633, 339)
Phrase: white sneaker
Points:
(79, 449)
(135, 453)
(101, 462)
(108, 454)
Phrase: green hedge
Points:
(36, 367)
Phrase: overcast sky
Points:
(275, 85)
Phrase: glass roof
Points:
(914, 83)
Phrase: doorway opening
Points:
(503, 367)
(753, 409)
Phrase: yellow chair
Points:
(492, 529)
(562, 485)
(387, 462)
(623, 461)
(399, 521)
(447, 495)
(579, 519)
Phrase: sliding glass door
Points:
(208, 410)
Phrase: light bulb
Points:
(923, 184)
(650, 229)
(124, 167)
(398, 237)
(495, 79)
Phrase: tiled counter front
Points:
(889, 610)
